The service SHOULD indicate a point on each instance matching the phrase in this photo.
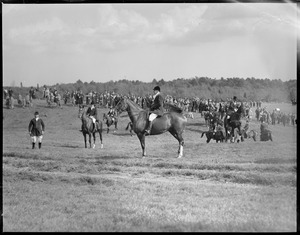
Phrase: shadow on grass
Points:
(121, 134)
(113, 157)
(67, 146)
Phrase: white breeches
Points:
(93, 119)
(152, 117)
(34, 138)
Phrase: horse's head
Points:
(81, 111)
(121, 105)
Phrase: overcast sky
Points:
(61, 43)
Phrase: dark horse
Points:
(234, 122)
(87, 127)
(108, 121)
(172, 121)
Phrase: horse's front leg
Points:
(241, 134)
(84, 136)
(142, 141)
(94, 137)
(181, 143)
(232, 136)
(90, 139)
(100, 135)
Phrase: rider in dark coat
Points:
(157, 106)
(232, 107)
(92, 113)
(156, 109)
(112, 113)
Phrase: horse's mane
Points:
(134, 104)
(172, 108)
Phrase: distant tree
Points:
(154, 81)
(161, 82)
(293, 94)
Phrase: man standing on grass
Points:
(36, 129)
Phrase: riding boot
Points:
(33, 144)
(40, 145)
(148, 128)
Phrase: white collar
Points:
(156, 95)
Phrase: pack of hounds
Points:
(220, 136)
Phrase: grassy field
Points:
(224, 187)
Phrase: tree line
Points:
(253, 89)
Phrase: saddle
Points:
(148, 112)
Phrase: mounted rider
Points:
(112, 113)
(92, 113)
(232, 108)
(156, 109)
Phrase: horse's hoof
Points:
(101, 146)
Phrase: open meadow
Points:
(215, 187)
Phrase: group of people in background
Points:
(194, 104)
(275, 117)
(109, 99)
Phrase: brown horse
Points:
(109, 121)
(87, 127)
(172, 121)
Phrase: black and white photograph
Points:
(149, 116)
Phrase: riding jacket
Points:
(157, 106)
(36, 127)
(92, 112)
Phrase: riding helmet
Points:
(36, 113)
(157, 88)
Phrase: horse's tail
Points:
(203, 133)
